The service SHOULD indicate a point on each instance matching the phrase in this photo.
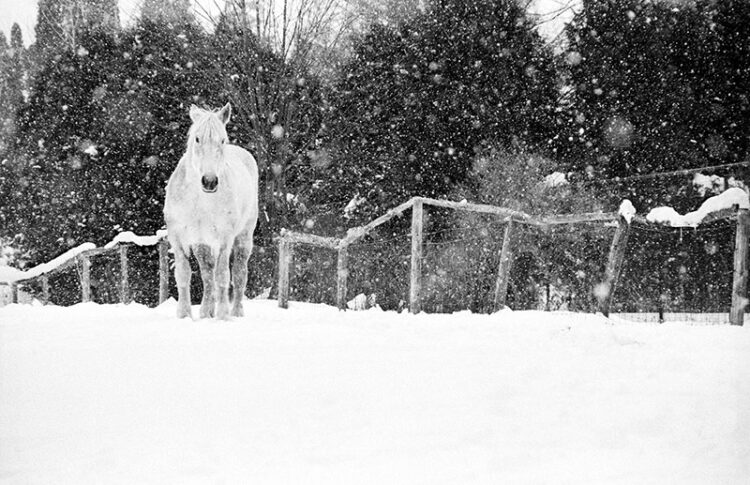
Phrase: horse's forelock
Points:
(209, 126)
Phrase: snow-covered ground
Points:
(127, 394)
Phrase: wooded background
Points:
(353, 107)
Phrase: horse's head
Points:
(206, 141)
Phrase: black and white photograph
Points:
(374, 242)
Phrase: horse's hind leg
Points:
(240, 255)
(182, 274)
(207, 262)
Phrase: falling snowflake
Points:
(277, 132)
(573, 58)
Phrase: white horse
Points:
(211, 209)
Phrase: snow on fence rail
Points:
(80, 257)
(733, 204)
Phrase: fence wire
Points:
(557, 268)
(668, 274)
(379, 268)
(677, 274)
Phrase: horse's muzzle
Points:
(209, 183)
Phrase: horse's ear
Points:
(195, 112)
(225, 113)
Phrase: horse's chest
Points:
(194, 217)
(210, 221)
(217, 217)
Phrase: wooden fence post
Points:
(45, 288)
(286, 255)
(606, 291)
(503, 269)
(342, 274)
(163, 270)
(415, 288)
(124, 283)
(14, 292)
(85, 277)
(739, 283)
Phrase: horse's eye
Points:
(197, 140)
(223, 141)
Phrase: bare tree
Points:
(278, 52)
(60, 22)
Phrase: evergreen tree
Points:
(418, 101)
(16, 37)
(659, 87)
(102, 132)
(18, 70)
(6, 104)
(730, 77)
(656, 87)
(414, 109)
(13, 75)
(55, 156)
(12, 83)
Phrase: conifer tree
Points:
(656, 87)
(418, 101)
(6, 105)
(103, 129)
(12, 83)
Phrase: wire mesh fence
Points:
(461, 257)
(554, 268)
(378, 267)
(557, 268)
(668, 274)
(678, 274)
(313, 275)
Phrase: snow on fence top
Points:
(627, 211)
(48, 266)
(734, 196)
(130, 237)
(10, 275)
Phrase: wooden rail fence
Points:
(82, 262)
(289, 239)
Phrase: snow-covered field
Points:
(128, 394)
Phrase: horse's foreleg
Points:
(182, 274)
(207, 262)
(222, 283)
(241, 254)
